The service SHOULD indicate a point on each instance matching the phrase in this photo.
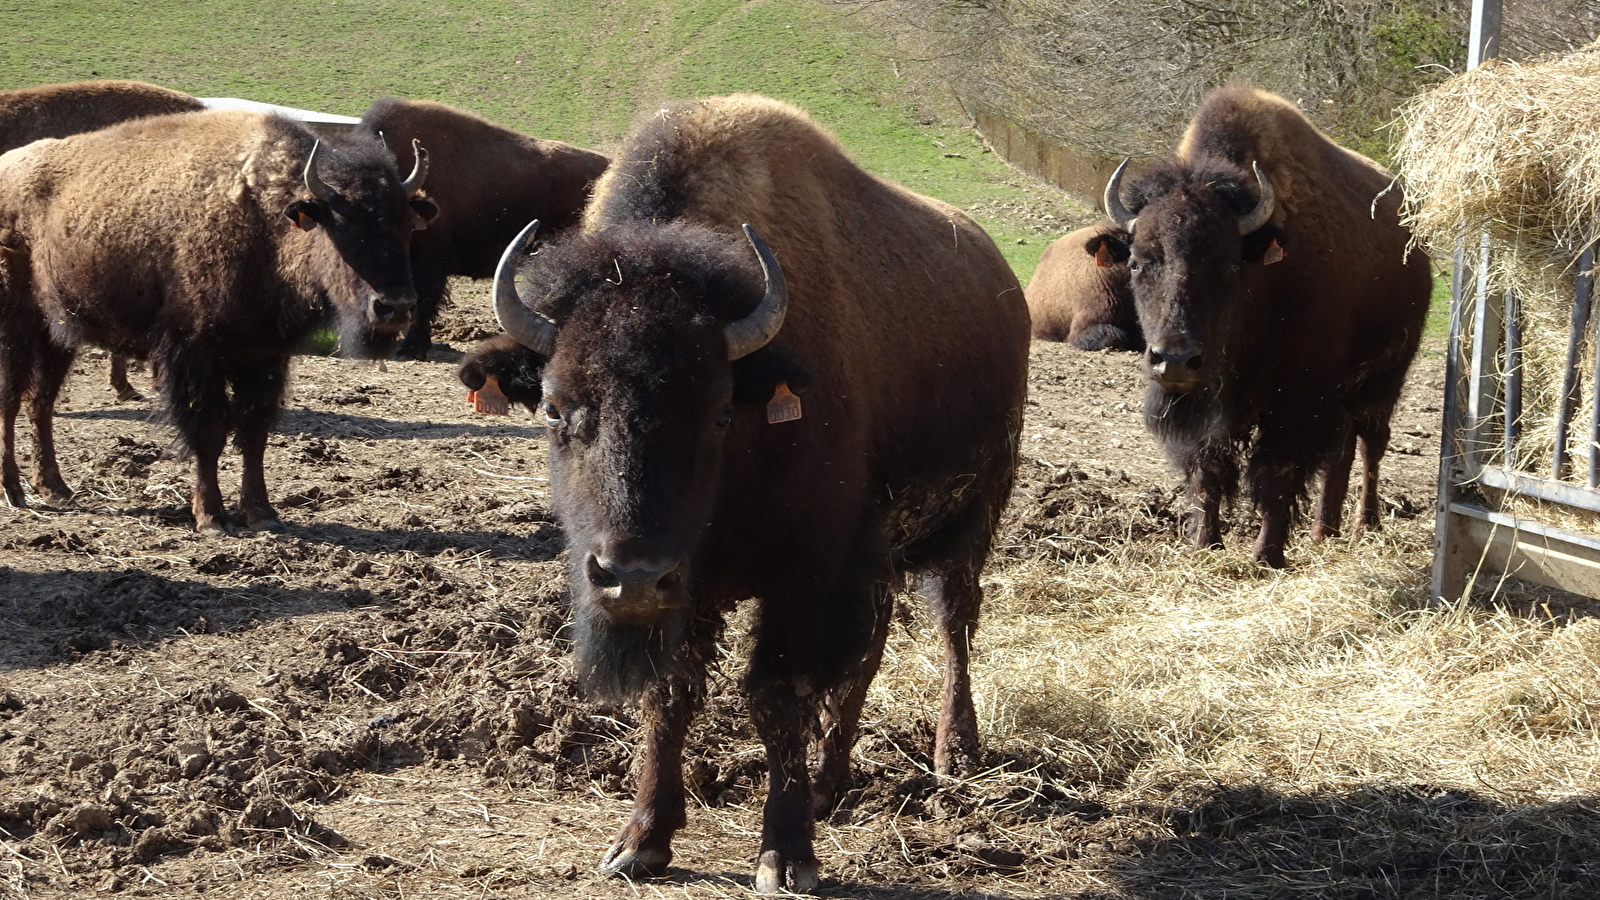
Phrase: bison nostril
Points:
(1194, 362)
(600, 576)
(669, 581)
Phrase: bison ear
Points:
(757, 375)
(1107, 249)
(426, 210)
(517, 368)
(1266, 245)
(305, 214)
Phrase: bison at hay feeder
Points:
(209, 243)
(1281, 304)
(813, 433)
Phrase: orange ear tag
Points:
(1274, 253)
(489, 400)
(784, 405)
(1102, 256)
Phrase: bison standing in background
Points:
(491, 182)
(689, 477)
(210, 243)
(59, 110)
(1084, 300)
(1281, 304)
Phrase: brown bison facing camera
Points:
(491, 182)
(813, 425)
(209, 243)
(1084, 299)
(59, 110)
(1281, 305)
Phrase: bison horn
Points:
(756, 330)
(1113, 200)
(1263, 211)
(530, 329)
(314, 183)
(419, 170)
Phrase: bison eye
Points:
(552, 414)
(726, 419)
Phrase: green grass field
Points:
(573, 71)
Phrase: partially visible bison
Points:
(58, 110)
(1282, 305)
(814, 433)
(1084, 300)
(209, 243)
(491, 182)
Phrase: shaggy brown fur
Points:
(489, 182)
(1283, 347)
(58, 110)
(908, 336)
(1074, 298)
(175, 238)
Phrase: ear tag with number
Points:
(489, 400)
(1274, 253)
(784, 405)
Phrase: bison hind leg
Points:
(50, 371)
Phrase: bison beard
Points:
(617, 661)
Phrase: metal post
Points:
(1582, 300)
(1513, 420)
(1484, 42)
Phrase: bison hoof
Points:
(129, 396)
(15, 498)
(56, 498)
(776, 875)
(630, 862)
(213, 529)
(272, 524)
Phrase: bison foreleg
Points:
(1210, 474)
(1374, 442)
(1335, 483)
(13, 384)
(257, 394)
(784, 719)
(124, 388)
(196, 397)
(51, 366)
(841, 716)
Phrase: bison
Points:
(1084, 301)
(491, 182)
(1282, 304)
(689, 477)
(57, 110)
(209, 243)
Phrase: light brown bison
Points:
(688, 476)
(491, 182)
(58, 110)
(1281, 304)
(210, 243)
(1084, 300)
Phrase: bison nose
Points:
(1175, 362)
(631, 581)
(391, 309)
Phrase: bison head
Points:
(365, 214)
(1194, 239)
(652, 339)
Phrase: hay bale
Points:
(1511, 150)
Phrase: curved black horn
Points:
(314, 183)
(530, 329)
(1113, 200)
(757, 329)
(1263, 211)
(419, 170)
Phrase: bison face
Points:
(1194, 249)
(360, 220)
(640, 394)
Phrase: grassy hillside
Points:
(573, 71)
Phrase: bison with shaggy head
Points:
(812, 425)
(491, 182)
(1281, 304)
(1084, 300)
(58, 110)
(209, 243)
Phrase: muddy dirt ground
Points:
(378, 703)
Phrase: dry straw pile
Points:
(1511, 150)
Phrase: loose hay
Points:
(1506, 158)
